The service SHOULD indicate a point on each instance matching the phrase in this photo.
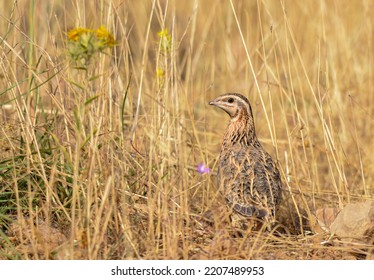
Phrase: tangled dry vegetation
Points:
(99, 149)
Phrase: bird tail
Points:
(249, 210)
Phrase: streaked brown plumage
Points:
(247, 174)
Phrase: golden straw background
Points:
(101, 163)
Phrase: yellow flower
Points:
(84, 43)
(105, 36)
(164, 33)
(165, 39)
(160, 72)
(74, 34)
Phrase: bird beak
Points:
(212, 102)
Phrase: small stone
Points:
(43, 237)
(323, 219)
(355, 222)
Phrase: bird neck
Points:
(241, 130)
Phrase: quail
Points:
(247, 174)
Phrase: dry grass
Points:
(101, 163)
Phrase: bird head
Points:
(234, 104)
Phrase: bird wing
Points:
(250, 181)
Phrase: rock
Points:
(323, 219)
(40, 238)
(355, 223)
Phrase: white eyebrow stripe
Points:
(241, 99)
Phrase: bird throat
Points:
(241, 129)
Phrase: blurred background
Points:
(99, 152)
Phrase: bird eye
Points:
(230, 100)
